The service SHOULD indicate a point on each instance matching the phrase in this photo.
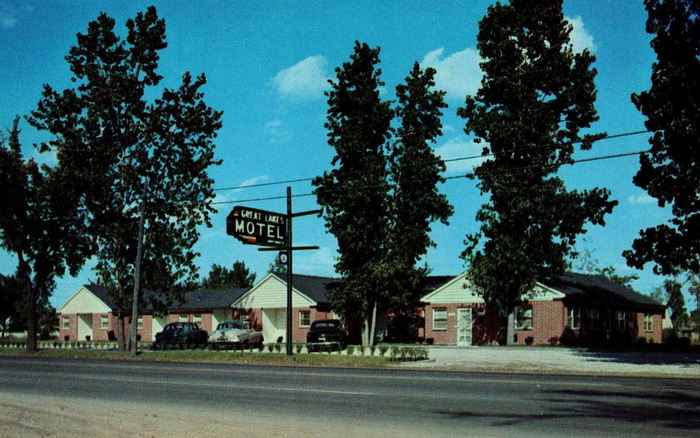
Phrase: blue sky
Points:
(267, 63)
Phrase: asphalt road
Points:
(362, 402)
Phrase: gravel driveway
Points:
(557, 360)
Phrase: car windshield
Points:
(230, 325)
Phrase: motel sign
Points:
(257, 227)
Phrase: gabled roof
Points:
(100, 292)
(209, 299)
(596, 290)
(314, 287)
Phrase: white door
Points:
(274, 324)
(464, 327)
(84, 326)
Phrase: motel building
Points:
(449, 311)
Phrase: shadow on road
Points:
(642, 357)
(672, 410)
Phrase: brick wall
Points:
(548, 318)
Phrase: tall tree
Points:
(354, 195)
(42, 223)
(415, 170)
(673, 290)
(670, 172)
(143, 164)
(220, 277)
(535, 98)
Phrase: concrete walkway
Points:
(556, 360)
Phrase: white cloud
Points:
(307, 79)
(580, 38)
(253, 181)
(456, 148)
(317, 262)
(458, 74)
(7, 22)
(275, 130)
(8, 16)
(641, 199)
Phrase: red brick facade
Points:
(549, 320)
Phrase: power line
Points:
(467, 175)
(450, 160)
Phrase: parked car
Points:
(235, 333)
(181, 334)
(326, 333)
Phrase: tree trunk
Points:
(121, 342)
(30, 306)
(510, 328)
(374, 325)
(137, 279)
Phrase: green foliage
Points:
(276, 267)
(42, 224)
(354, 195)
(676, 302)
(415, 169)
(239, 276)
(588, 264)
(535, 98)
(671, 171)
(381, 198)
(136, 161)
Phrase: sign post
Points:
(274, 231)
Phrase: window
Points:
(304, 318)
(648, 322)
(523, 318)
(574, 320)
(440, 319)
(139, 322)
(621, 320)
(197, 319)
(244, 316)
(66, 322)
(183, 318)
(104, 322)
(593, 315)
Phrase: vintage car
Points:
(326, 333)
(234, 334)
(182, 334)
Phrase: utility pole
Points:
(236, 225)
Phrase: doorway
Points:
(464, 327)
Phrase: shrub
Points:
(298, 346)
(351, 350)
(261, 347)
(278, 347)
(372, 349)
(270, 347)
(529, 340)
(383, 348)
(395, 352)
(568, 338)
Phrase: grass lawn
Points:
(319, 360)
